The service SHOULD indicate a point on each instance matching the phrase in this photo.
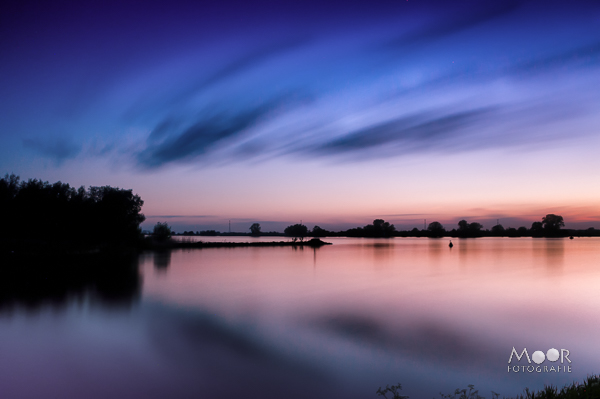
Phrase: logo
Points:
(539, 357)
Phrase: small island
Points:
(313, 243)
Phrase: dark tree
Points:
(117, 213)
(255, 229)
(436, 229)
(469, 229)
(296, 231)
(318, 232)
(536, 226)
(552, 222)
(379, 228)
(537, 229)
(9, 187)
(162, 231)
(512, 232)
(498, 230)
(62, 216)
(475, 227)
(355, 232)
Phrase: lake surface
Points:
(333, 322)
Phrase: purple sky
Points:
(333, 113)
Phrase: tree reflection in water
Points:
(34, 281)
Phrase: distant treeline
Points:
(35, 213)
(38, 214)
(550, 226)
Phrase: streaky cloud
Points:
(163, 129)
(421, 130)
(454, 25)
(249, 60)
(221, 74)
(581, 56)
(59, 149)
(202, 136)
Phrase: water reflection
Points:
(267, 322)
(382, 250)
(215, 358)
(436, 247)
(419, 341)
(162, 260)
(36, 282)
(554, 252)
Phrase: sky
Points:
(328, 113)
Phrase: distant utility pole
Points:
(424, 224)
(230, 226)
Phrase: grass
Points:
(588, 389)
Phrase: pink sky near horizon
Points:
(518, 189)
(402, 191)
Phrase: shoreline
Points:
(313, 243)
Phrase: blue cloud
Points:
(199, 138)
(471, 15)
(58, 149)
(419, 130)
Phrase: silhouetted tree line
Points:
(550, 226)
(38, 213)
(378, 229)
(297, 231)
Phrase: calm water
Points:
(338, 321)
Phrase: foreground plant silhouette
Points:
(589, 389)
(393, 390)
(471, 394)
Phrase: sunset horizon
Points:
(330, 113)
(311, 199)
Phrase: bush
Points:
(162, 231)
